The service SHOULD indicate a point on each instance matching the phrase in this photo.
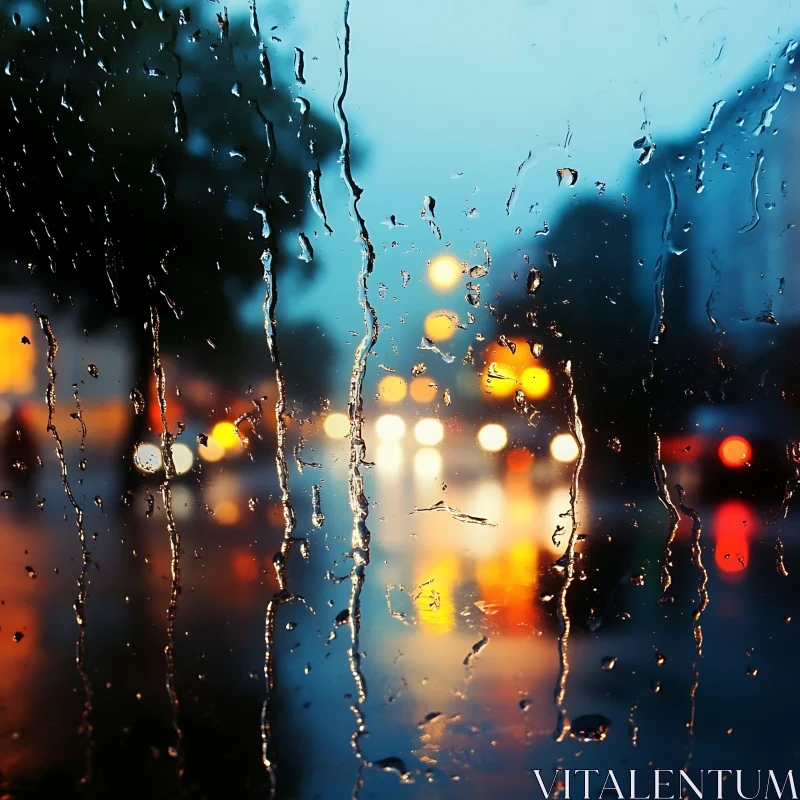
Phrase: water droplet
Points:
(608, 663)
(534, 280)
(317, 517)
(393, 764)
(476, 649)
(590, 728)
(567, 175)
(93, 371)
(306, 250)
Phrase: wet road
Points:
(459, 635)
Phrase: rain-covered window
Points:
(399, 400)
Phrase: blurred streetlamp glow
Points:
(213, 451)
(337, 426)
(564, 448)
(390, 428)
(147, 457)
(535, 382)
(492, 437)
(429, 432)
(499, 380)
(225, 434)
(444, 272)
(392, 389)
(182, 458)
(439, 325)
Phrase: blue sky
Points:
(448, 98)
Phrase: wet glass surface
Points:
(395, 399)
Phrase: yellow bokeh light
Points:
(337, 426)
(439, 325)
(421, 390)
(500, 380)
(444, 272)
(564, 448)
(535, 382)
(390, 427)
(212, 451)
(392, 389)
(492, 437)
(429, 432)
(225, 434)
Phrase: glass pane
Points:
(398, 400)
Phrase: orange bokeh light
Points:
(735, 452)
(421, 390)
(519, 459)
(244, 566)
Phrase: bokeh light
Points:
(226, 513)
(212, 451)
(519, 459)
(147, 457)
(392, 389)
(492, 437)
(244, 566)
(337, 426)
(421, 390)
(499, 380)
(564, 448)
(225, 434)
(440, 325)
(735, 452)
(182, 458)
(429, 432)
(535, 382)
(444, 272)
(390, 428)
(732, 525)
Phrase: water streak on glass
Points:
(568, 560)
(167, 441)
(86, 727)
